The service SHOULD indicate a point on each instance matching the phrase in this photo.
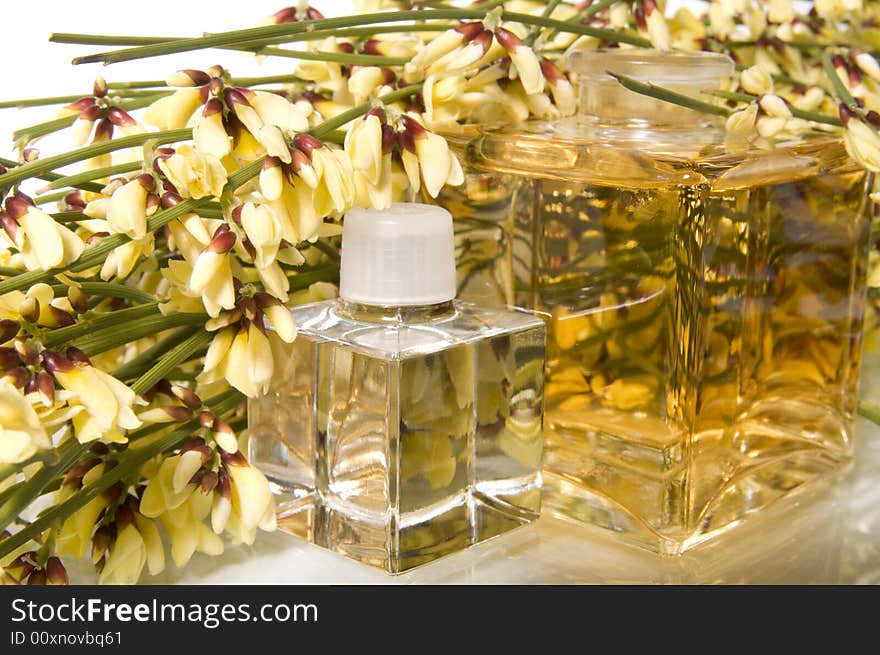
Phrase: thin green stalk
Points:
(548, 10)
(41, 166)
(305, 280)
(130, 464)
(94, 174)
(89, 325)
(49, 176)
(327, 249)
(660, 93)
(51, 197)
(173, 358)
(110, 290)
(38, 102)
(839, 87)
(287, 32)
(60, 100)
(99, 342)
(870, 411)
(315, 35)
(813, 116)
(138, 364)
(34, 486)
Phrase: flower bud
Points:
(78, 299)
(56, 362)
(9, 359)
(77, 356)
(30, 310)
(222, 241)
(206, 419)
(18, 377)
(99, 89)
(170, 199)
(44, 385)
(8, 329)
(26, 351)
(186, 396)
(188, 77)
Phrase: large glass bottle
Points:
(403, 425)
(704, 299)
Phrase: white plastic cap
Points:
(400, 256)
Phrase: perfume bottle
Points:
(704, 298)
(403, 425)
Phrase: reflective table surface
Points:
(827, 535)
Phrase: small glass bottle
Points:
(403, 425)
(704, 298)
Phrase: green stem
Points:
(110, 290)
(129, 465)
(94, 344)
(870, 411)
(94, 174)
(34, 486)
(548, 10)
(141, 362)
(50, 176)
(813, 116)
(41, 166)
(58, 100)
(174, 357)
(315, 35)
(100, 322)
(51, 197)
(839, 87)
(660, 93)
(305, 280)
(287, 32)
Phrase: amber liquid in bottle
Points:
(704, 310)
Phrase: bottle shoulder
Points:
(465, 323)
(650, 157)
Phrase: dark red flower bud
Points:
(8, 329)
(223, 240)
(120, 117)
(56, 362)
(170, 199)
(77, 356)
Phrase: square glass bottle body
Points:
(396, 437)
(704, 310)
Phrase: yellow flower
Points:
(107, 401)
(21, 433)
(174, 111)
(525, 62)
(43, 243)
(862, 141)
(209, 132)
(756, 80)
(127, 558)
(127, 210)
(428, 158)
(212, 273)
(193, 174)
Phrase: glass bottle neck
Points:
(395, 314)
